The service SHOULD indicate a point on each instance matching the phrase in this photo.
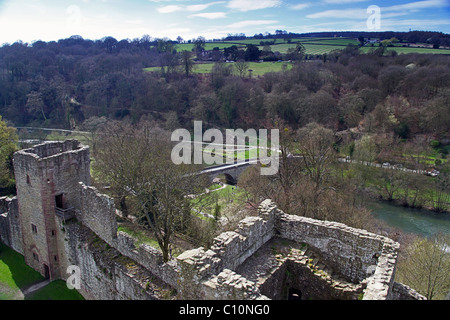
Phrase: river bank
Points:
(417, 221)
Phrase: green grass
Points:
(404, 50)
(140, 237)
(428, 159)
(14, 273)
(223, 197)
(334, 41)
(313, 46)
(259, 68)
(208, 46)
(427, 194)
(56, 290)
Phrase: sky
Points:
(48, 20)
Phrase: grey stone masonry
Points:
(58, 220)
(10, 227)
(365, 262)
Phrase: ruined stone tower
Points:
(46, 179)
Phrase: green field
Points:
(208, 46)
(325, 45)
(259, 68)
(401, 50)
(313, 46)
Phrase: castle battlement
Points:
(53, 149)
(266, 257)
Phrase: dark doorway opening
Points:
(294, 294)
(46, 272)
(59, 201)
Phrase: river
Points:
(417, 221)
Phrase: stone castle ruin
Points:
(58, 220)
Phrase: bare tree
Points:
(187, 62)
(241, 67)
(136, 159)
(317, 154)
(392, 182)
(441, 187)
(426, 267)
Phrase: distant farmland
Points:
(258, 68)
(313, 46)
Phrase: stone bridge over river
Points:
(232, 171)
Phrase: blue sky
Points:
(30, 20)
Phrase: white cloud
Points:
(417, 23)
(170, 9)
(247, 5)
(300, 6)
(418, 5)
(390, 11)
(343, 1)
(248, 23)
(201, 7)
(191, 8)
(210, 15)
(345, 13)
(159, 1)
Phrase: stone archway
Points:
(230, 179)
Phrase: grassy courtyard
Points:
(15, 276)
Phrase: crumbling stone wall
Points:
(352, 251)
(403, 292)
(281, 266)
(355, 254)
(113, 266)
(97, 212)
(10, 227)
(106, 274)
(379, 286)
(149, 258)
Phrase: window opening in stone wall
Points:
(33, 228)
(61, 208)
(28, 179)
